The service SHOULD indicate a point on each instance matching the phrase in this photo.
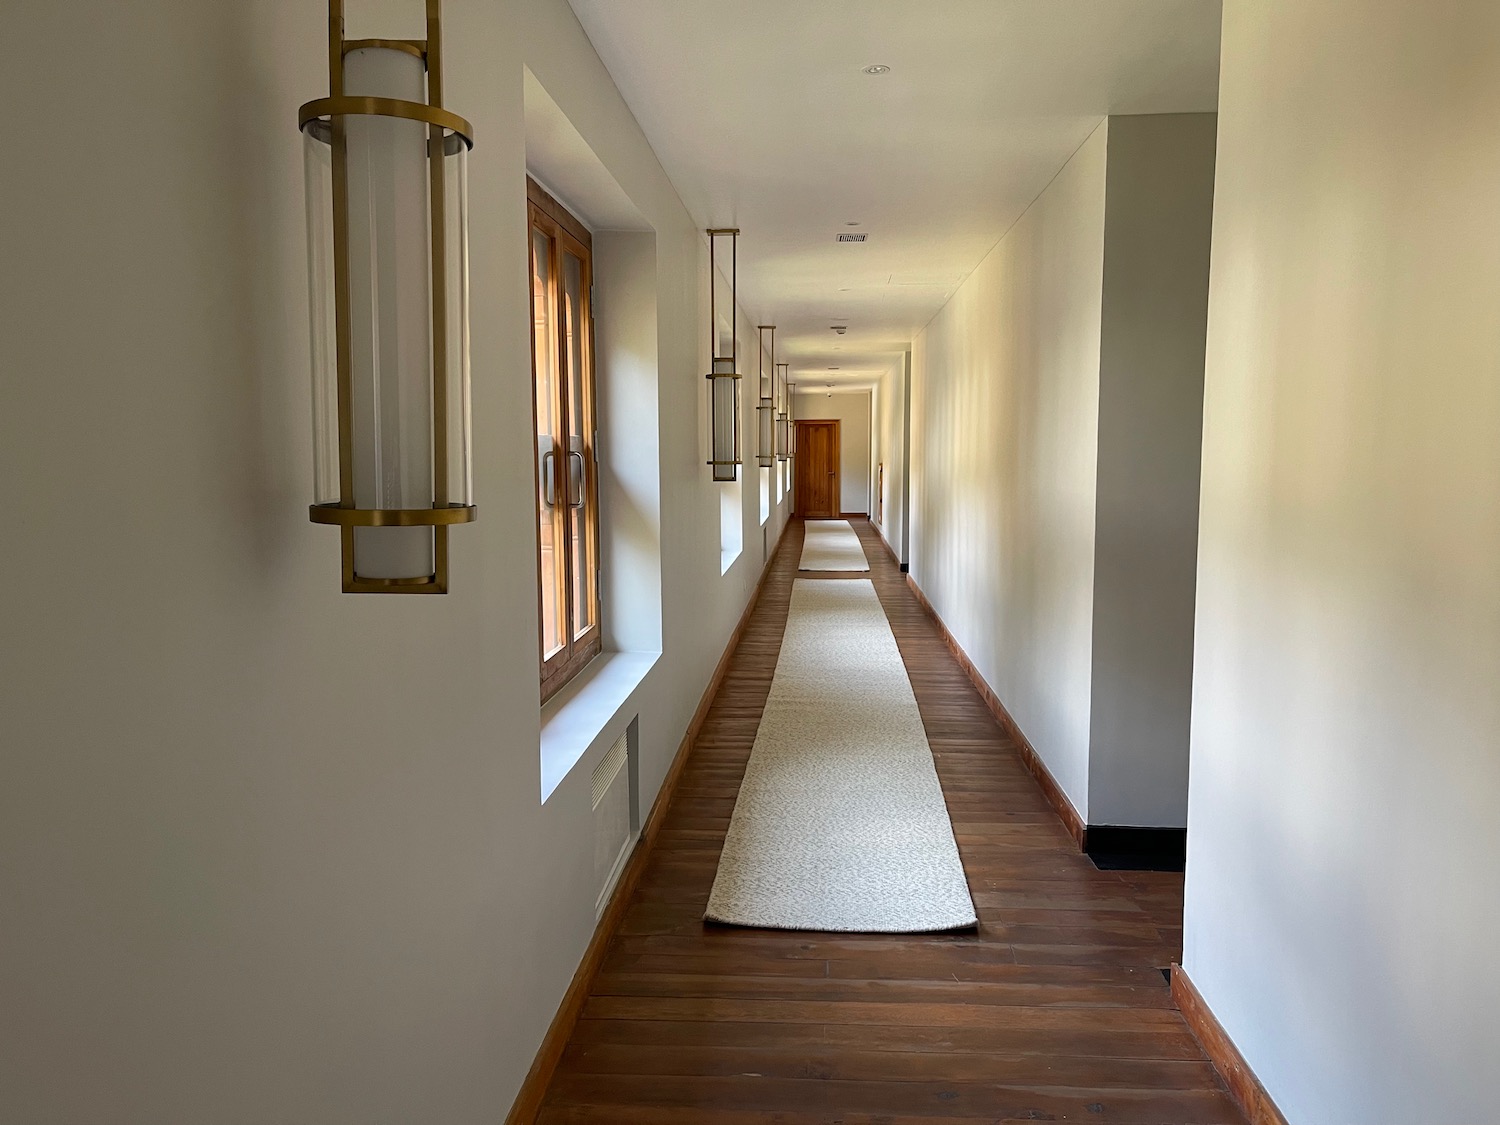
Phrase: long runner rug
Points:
(831, 545)
(840, 822)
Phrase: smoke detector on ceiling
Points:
(850, 236)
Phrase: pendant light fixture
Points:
(783, 425)
(389, 273)
(724, 374)
(765, 412)
(791, 420)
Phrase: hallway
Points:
(419, 402)
(1055, 1010)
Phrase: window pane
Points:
(581, 499)
(544, 351)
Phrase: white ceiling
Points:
(763, 118)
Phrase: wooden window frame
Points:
(564, 232)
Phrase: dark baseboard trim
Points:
(528, 1103)
(1125, 848)
(1239, 1079)
(854, 515)
(1032, 760)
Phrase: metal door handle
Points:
(549, 478)
(576, 505)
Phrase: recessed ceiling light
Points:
(833, 369)
(851, 224)
(877, 68)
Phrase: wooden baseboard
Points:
(880, 534)
(854, 515)
(1033, 761)
(528, 1101)
(1240, 1080)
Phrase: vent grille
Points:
(613, 816)
(851, 237)
(609, 768)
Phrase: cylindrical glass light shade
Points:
(390, 315)
(399, 439)
(724, 404)
(317, 151)
(765, 419)
(459, 436)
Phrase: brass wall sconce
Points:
(388, 267)
(783, 422)
(724, 374)
(791, 420)
(765, 412)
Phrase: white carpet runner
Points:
(840, 822)
(832, 545)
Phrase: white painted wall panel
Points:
(1342, 898)
(1004, 433)
(1158, 222)
(891, 415)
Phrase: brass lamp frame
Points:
(783, 426)
(791, 419)
(733, 358)
(766, 457)
(446, 130)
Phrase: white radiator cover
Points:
(612, 834)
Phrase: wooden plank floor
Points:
(1055, 1010)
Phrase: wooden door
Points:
(817, 470)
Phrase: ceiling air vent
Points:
(849, 237)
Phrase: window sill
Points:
(585, 712)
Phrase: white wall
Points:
(1342, 898)
(272, 852)
(890, 436)
(1157, 225)
(627, 365)
(1005, 399)
(1057, 418)
(856, 470)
